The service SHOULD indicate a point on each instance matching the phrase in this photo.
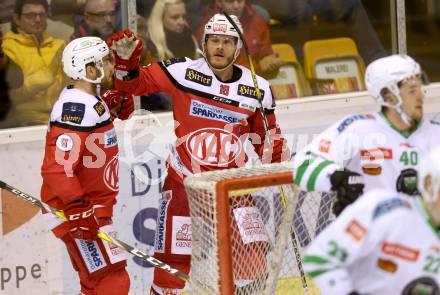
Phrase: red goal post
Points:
(242, 224)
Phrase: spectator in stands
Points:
(195, 18)
(256, 35)
(98, 19)
(350, 12)
(71, 12)
(169, 36)
(168, 31)
(6, 10)
(38, 55)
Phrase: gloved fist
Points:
(407, 182)
(121, 104)
(127, 48)
(82, 221)
(348, 186)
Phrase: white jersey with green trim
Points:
(367, 144)
(384, 243)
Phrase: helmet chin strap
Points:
(98, 90)
(97, 81)
(398, 107)
(405, 118)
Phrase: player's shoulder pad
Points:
(175, 60)
(246, 88)
(377, 203)
(351, 120)
(186, 72)
(78, 110)
(388, 203)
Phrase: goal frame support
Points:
(226, 280)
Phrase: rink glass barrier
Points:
(35, 262)
(375, 28)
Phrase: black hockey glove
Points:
(348, 186)
(407, 182)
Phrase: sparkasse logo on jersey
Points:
(14, 212)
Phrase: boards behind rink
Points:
(222, 261)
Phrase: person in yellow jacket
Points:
(38, 54)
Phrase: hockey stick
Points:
(101, 234)
(266, 127)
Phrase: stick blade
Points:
(2, 184)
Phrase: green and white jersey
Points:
(367, 144)
(384, 243)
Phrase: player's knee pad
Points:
(173, 232)
(116, 282)
(95, 260)
(166, 281)
(173, 235)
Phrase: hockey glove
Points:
(127, 49)
(121, 105)
(407, 182)
(348, 186)
(82, 221)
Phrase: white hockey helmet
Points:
(220, 25)
(429, 177)
(82, 51)
(387, 73)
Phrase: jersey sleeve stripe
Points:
(316, 273)
(301, 170)
(315, 259)
(80, 128)
(315, 173)
(195, 91)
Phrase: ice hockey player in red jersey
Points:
(216, 110)
(80, 170)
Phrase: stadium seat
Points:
(289, 81)
(333, 66)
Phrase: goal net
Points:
(249, 228)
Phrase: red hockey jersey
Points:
(214, 119)
(81, 153)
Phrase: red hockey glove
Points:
(121, 104)
(82, 221)
(127, 49)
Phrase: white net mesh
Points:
(263, 252)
